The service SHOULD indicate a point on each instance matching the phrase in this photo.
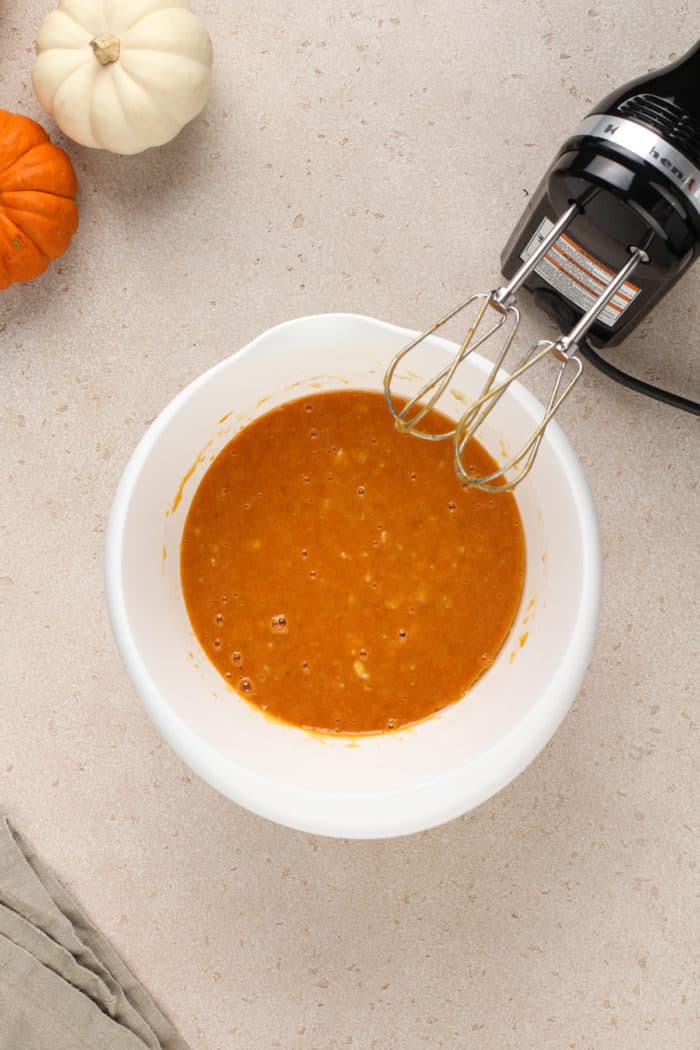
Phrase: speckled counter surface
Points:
(373, 159)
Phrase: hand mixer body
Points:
(613, 225)
(634, 167)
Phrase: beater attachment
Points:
(494, 321)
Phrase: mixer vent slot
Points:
(670, 120)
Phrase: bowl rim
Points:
(406, 810)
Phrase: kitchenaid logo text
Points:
(687, 180)
(636, 138)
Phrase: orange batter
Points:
(338, 575)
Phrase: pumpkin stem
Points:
(106, 48)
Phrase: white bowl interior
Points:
(377, 785)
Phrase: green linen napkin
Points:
(62, 986)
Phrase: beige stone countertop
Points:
(368, 157)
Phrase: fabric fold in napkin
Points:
(62, 986)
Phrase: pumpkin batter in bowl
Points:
(339, 577)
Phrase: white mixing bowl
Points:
(371, 786)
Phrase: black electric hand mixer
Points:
(612, 226)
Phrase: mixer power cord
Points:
(658, 393)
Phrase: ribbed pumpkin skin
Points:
(38, 215)
(122, 75)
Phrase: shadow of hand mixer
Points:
(612, 226)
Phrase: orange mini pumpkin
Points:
(38, 215)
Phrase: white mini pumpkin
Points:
(122, 75)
